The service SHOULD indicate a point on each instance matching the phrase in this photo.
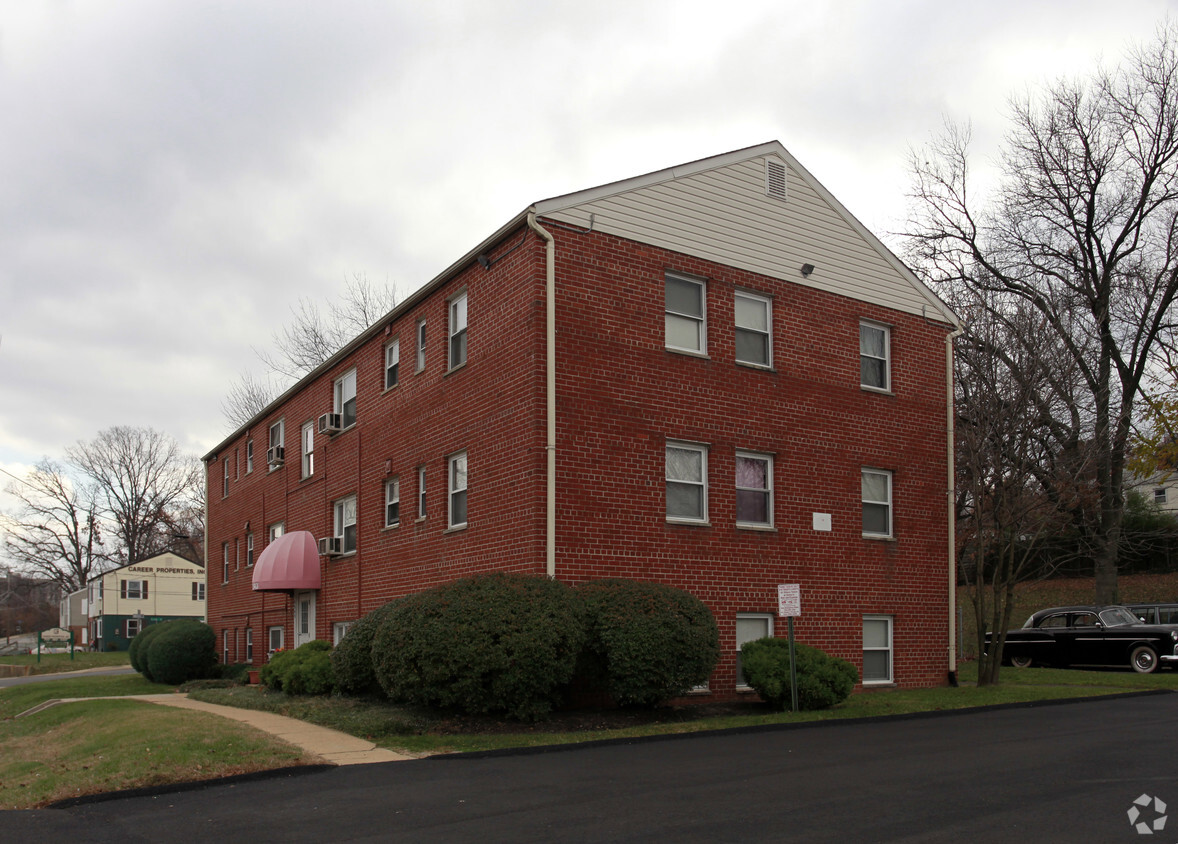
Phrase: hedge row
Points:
(513, 644)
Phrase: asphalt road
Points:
(5, 682)
(1066, 773)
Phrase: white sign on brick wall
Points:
(789, 600)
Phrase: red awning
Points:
(289, 562)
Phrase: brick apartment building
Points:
(711, 376)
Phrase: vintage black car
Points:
(1112, 635)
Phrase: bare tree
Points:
(313, 335)
(141, 478)
(1014, 487)
(1084, 229)
(57, 533)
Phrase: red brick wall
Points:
(621, 395)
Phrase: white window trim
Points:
(225, 478)
(307, 450)
(271, 646)
(340, 397)
(421, 508)
(278, 441)
(457, 331)
(890, 502)
(766, 616)
(702, 319)
(392, 494)
(768, 332)
(419, 337)
(392, 362)
(339, 514)
(887, 358)
(339, 629)
(249, 456)
(225, 554)
(452, 489)
(768, 491)
(703, 451)
(249, 644)
(275, 530)
(249, 550)
(891, 650)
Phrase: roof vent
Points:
(774, 179)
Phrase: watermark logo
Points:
(1140, 815)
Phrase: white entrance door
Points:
(304, 617)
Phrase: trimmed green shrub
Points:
(492, 643)
(823, 680)
(185, 649)
(352, 657)
(304, 671)
(137, 651)
(647, 642)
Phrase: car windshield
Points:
(1117, 617)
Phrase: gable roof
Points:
(727, 209)
(712, 208)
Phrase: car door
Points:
(1083, 640)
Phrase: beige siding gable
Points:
(719, 209)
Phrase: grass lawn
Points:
(97, 746)
(57, 663)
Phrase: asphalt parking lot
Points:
(1065, 772)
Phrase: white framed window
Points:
(421, 492)
(249, 644)
(225, 478)
(345, 523)
(750, 626)
(457, 490)
(236, 553)
(1159, 495)
(877, 649)
(420, 364)
(340, 629)
(249, 550)
(687, 482)
(754, 489)
(133, 589)
(276, 530)
(392, 502)
(276, 637)
(134, 625)
(875, 356)
(458, 331)
(686, 316)
(392, 363)
(225, 646)
(225, 554)
(307, 437)
(754, 330)
(877, 502)
(198, 590)
(275, 456)
(344, 402)
(249, 456)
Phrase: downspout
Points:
(550, 392)
(951, 498)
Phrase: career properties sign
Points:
(789, 600)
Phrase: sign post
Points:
(57, 634)
(789, 606)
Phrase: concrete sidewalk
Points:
(330, 745)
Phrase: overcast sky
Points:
(174, 175)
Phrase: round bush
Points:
(493, 643)
(648, 642)
(352, 657)
(185, 650)
(304, 671)
(823, 680)
(137, 651)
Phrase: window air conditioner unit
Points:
(331, 546)
(330, 423)
(275, 455)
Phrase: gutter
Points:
(550, 393)
(951, 494)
